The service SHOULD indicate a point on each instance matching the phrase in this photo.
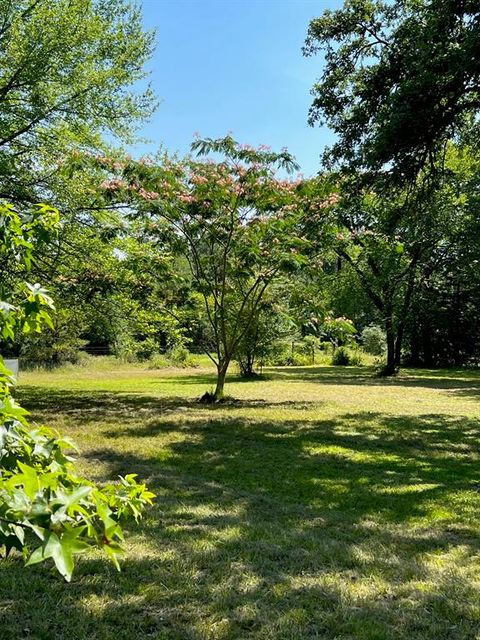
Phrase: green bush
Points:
(42, 354)
(285, 358)
(301, 360)
(345, 358)
(159, 361)
(125, 348)
(356, 359)
(280, 355)
(145, 349)
(56, 346)
(180, 356)
(341, 357)
(129, 349)
(374, 340)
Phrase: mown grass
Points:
(321, 503)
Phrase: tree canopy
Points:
(67, 70)
(234, 221)
(400, 79)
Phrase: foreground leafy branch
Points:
(47, 510)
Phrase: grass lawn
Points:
(322, 503)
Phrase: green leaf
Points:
(61, 549)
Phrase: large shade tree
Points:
(72, 78)
(66, 73)
(400, 79)
(400, 82)
(389, 245)
(442, 329)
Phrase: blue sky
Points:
(235, 66)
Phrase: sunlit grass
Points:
(320, 503)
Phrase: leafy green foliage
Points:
(337, 330)
(373, 340)
(343, 357)
(46, 509)
(267, 326)
(311, 345)
(24, 307)
(233, 220)
(400, 79)
(442, 327)
(180, 356)
(400, 90)
(66, 73)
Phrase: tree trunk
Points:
(389, 369)
(398, 343)
(221, 375)
(404, 312)
(415, 348)
(246, 366)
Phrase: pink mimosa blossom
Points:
(113, 184)
(186, 198)
(148, 195)
(197, 179)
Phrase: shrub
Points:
(145, 349)
(341, 357)
(345, 358)
(374, 340)
(38, 354)
(285, 358)
(159, 361)
(280, 356)
(129, 349)
(180, 356)
(356, 359)
(55, 346)
(125, 349)
(286, 353)
(301, 360)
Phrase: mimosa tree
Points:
(233, 219)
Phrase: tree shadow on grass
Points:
(335, 464)
(359, 527)
(454, 379)
(213, 606)
(460, 381)
(88, 407)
